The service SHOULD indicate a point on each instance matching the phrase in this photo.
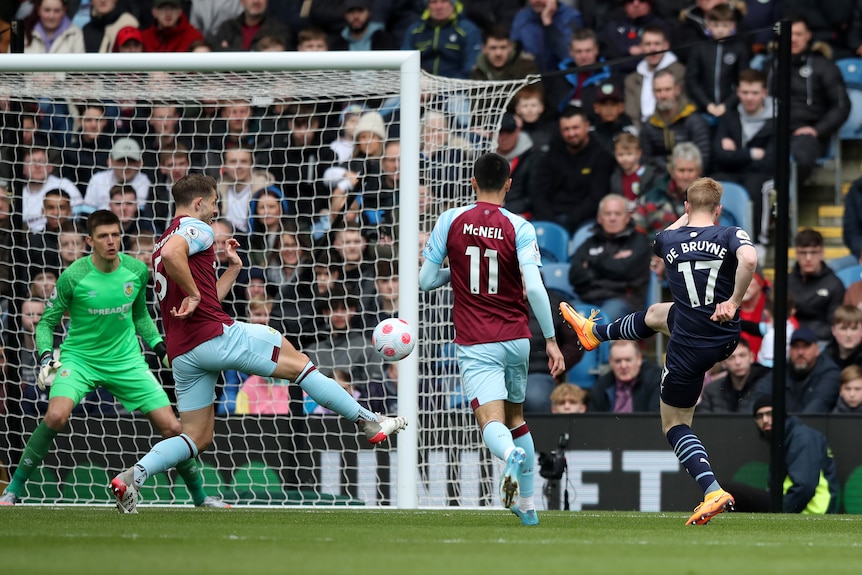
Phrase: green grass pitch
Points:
(187, 541)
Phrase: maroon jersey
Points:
(486, 246)
(208, 319)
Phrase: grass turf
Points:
(72, 540)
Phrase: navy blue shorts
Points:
(686, 364)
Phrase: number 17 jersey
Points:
(700, 265)
(486, 246)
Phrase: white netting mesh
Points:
(276, 143)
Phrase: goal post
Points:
(392, 78)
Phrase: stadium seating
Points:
(556, 277)
(581, 234)
(851, 71)
(850, 274)
(553, 241)
(736, 207)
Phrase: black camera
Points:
(554, 465)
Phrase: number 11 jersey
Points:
(486, 246)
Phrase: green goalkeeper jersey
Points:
(105, 312)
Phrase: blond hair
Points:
(704, 194)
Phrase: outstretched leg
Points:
(634, 326)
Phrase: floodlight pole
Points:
(782, 235)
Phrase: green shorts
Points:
(134, 385)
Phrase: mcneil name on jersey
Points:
(489, 232)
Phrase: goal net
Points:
(332, 169)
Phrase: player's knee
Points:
(172, 429)
(56, 418)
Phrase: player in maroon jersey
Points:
(488, 249)
(203, 341)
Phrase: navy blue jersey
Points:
(701, 270)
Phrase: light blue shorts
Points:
(249, 348)
(493, 371)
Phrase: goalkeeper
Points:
(105, 295)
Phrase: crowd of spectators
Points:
(311, 189)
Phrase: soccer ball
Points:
(393, 339)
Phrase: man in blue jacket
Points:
(449, 42)
(811, 484)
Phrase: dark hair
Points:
(386, 269)
(121, 189)
(496, 31)
(571, 111)
(192, 186)
(57, 192)
(752, 76)
(809, 238)
(655, 30)
(102, 218)
(338, 298)
(491, 172)
(585, 34)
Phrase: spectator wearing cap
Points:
(610, 117)
(171, 30)
(129, 39)
(811, 485)
(448, 42)
(621, 36)
(362, 33)
(813, 379)
(517, 147)
(107, 17)
(49, 30)
(815, 288)
(244, 31)
(124, 167)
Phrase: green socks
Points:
(34, 452)
(191, 474)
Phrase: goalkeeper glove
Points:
(48, 366)
(162, 352)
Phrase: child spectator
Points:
(568, 398)
(712, 69)
(129, 39)
(271, 44)
(311, 39)
(631, 178)
(49, 30)
(845, 349)
(850, 393)
(530, 107)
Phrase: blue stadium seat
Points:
(585, 372)
(581, 235)
(556, 277)
(736, 207)
(852, 127)
(850, 274)
(553, 241)
(851, 71)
